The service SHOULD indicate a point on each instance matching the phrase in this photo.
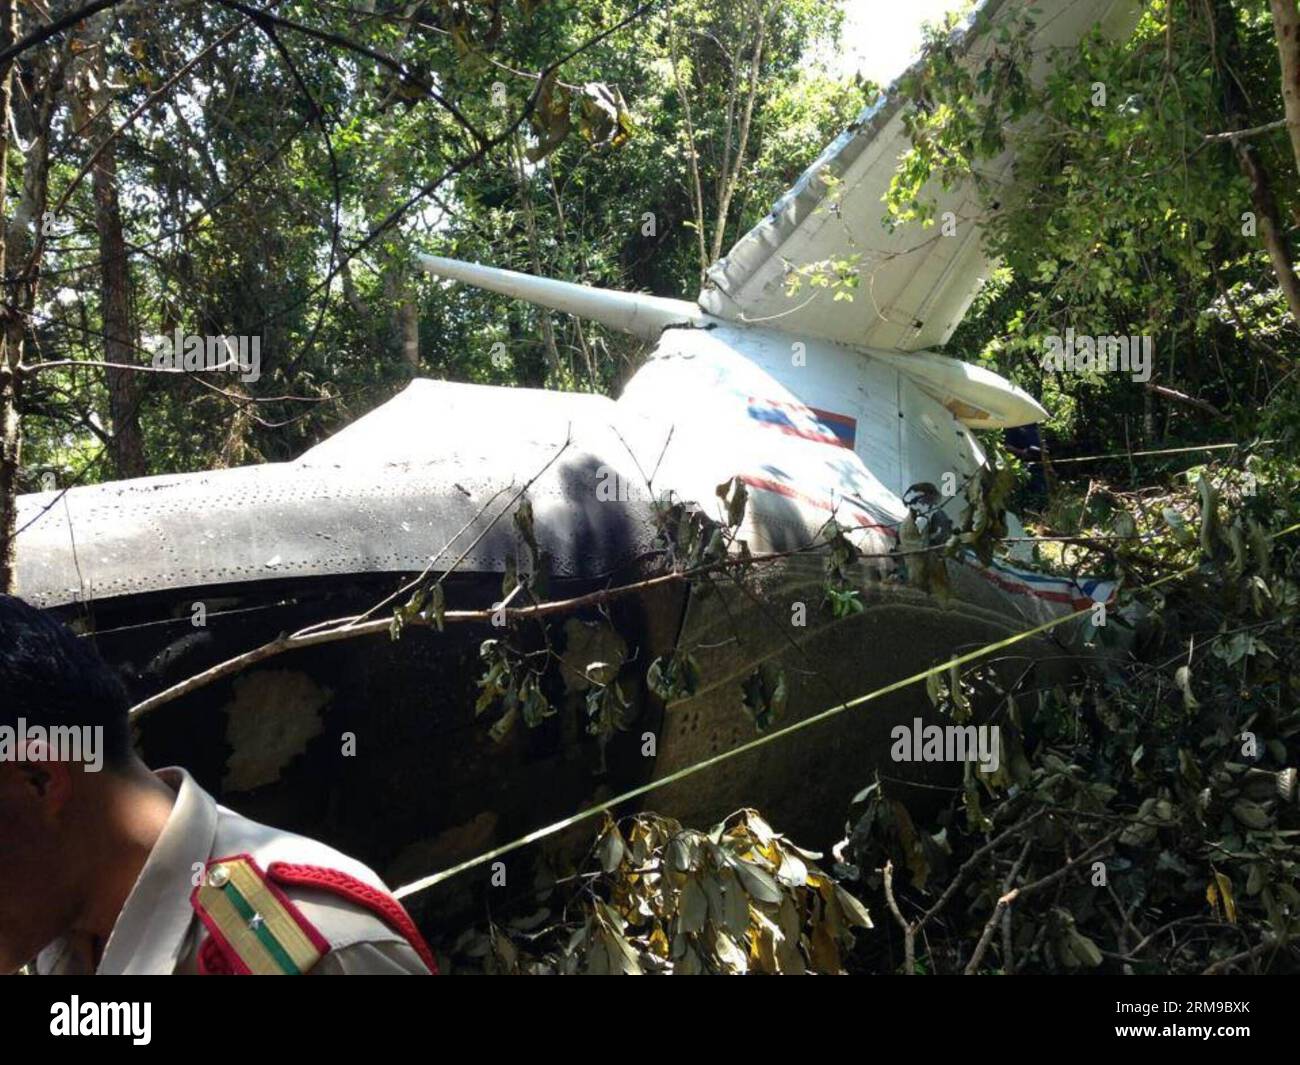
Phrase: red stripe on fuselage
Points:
(780, 489)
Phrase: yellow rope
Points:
(1143, 454)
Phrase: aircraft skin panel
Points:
(811, 441)
(916, 283)
(417, 424)
(926, 307)
(815, 430)
(289, 520)
(935, 443)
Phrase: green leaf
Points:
(764, 695)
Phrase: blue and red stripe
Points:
(808, 423)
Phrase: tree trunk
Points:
(1286, 28)
(1270, 226)
(127, 446)
(1274, 236)
(409, 313)
(697, 192)
(10, 334)
(404, 315)
(730, 180)
(11, 443)
(530, 228)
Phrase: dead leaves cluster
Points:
(601, 117)
(663, 899)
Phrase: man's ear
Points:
(49, 779)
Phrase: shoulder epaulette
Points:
(252, 925)
(378, 902)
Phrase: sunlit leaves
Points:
(604, 119)
(550, 118)
(660, 898)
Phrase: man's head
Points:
(63, 728)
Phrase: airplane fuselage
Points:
(814, 429)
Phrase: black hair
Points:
(50, 677)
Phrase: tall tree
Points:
(1286, 28)
(93, 115)
(11, 351)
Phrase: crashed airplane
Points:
(820, 408)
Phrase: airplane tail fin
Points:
(631, 312)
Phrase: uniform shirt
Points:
(158, 931)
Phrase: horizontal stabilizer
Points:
(641, 315)
(976, 397)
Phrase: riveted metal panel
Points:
(293, 519)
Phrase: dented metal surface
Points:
(206, 530)
(807, 782)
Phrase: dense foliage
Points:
(284, 185)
